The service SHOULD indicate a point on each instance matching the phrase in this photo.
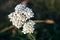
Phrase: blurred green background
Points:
(43, 9)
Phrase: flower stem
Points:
(5, 29)
(31, 37)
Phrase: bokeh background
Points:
(43, 9)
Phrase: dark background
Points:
(43, 9)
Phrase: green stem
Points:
(31, 37)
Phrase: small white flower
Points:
(17, 24)
(28, 27)
(10, 15)
(19, 8)
(14, 18)
(31, 22)
(29, 15)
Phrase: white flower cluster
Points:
(28, 27)
(15, 19)
(20, 16)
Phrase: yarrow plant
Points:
(28, 27)
(21, 18)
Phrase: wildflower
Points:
(28, 27)
(20, 17)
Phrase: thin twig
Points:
(39, 21)
(5, 29)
